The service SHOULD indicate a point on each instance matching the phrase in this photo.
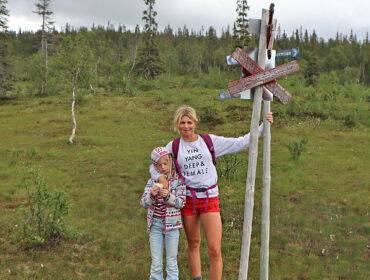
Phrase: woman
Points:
(199, 173)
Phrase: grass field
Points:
(319, 204)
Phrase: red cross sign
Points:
(262, 77)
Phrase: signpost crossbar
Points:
(252, 67)
(263, 77)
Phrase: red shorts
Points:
(200, 206)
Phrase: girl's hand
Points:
(270, 117)
(163, 193)
(154, 191)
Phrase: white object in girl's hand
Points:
(158, 185)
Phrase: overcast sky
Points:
(326, 17)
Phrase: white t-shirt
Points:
(195, 160)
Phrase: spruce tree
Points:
(312, 71)
(43, 9)
(4, 13)
(149, 63)
(5, 76)
(240, 29)
(365, 78)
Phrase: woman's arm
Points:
(158, 176)
(228, 145)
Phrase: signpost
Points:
(260, 77)
(279, 54)
(252, 67)
(231, 61)
(226, 95)
(248, 94)
(266, 178)
(252, 159)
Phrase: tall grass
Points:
(319, 205)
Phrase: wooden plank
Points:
(246, 61)
(252, 159)
(251, 66)
(271, 42)
(278, 91)
(263, 77)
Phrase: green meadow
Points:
(319, 203)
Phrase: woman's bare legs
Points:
(212, 226)
(192, 231)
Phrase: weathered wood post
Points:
(252, 160)
(266, 177)
(255, 76)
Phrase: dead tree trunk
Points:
(74, 81)
(44, 60)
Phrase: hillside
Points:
(319, 204)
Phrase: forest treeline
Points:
(106, 55)
(114, 58)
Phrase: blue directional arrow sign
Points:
(226, 95)
(284, 53)
(287, 53)
(231, 61)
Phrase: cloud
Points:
(325, 16)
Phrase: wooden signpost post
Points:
(252, 159)
(259, 78)
(266, 178)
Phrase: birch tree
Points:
(43, 9)
(74, 65)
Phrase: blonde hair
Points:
(183, 111)
(172, 172)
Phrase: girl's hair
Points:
(184, 111)
(172, 170)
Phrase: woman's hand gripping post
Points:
(270, 117)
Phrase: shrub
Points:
(45, 213)
(145, 85)
(318, 109)
(296, 148)
(210, 115)
(294, 109)
(228, 165)
(351, 119)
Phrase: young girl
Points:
(164, 215)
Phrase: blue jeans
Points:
(171, 239)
